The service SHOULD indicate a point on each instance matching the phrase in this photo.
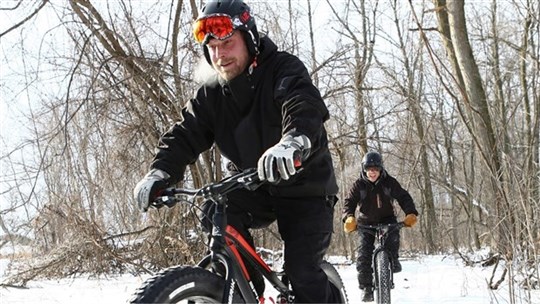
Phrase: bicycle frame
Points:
(227, 246)
(233, 251)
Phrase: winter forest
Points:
(448, 91)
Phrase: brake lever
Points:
(163, 201)
(251, 181)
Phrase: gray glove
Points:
(281, 160)
(149, 188)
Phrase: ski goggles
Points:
(217, 26)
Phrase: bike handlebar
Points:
(378, 226)
(374, 229)
(247, 179)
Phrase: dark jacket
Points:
(371, 203)
(250, 114)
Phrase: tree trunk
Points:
(475, 100)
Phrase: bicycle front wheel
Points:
(183, 284)
(384, 277)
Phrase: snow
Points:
(428, 279)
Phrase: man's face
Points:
(230, 56)
(373, 173)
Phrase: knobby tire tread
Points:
(384, 277)
(184, 282)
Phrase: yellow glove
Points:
(410, 220)
(350, 224)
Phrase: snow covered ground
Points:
(429, 279)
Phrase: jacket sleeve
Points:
(403, 197)
(185, 140)
(302, 107)
(351, 201)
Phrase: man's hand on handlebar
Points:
(410, 220)
(282, 160)
(350, 224)
(149, 188)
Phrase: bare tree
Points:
(464, 142)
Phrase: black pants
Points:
(305, 225)
(365, 254)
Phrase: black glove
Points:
(150, 187)
(281, 160)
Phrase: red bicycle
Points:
(229, 252)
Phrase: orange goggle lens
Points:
(219, 27)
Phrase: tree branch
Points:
(25, 19)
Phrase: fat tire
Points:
(182, 283)
(384, 278)
(335, 279)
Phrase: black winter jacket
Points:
(250, 114)
(371, 203)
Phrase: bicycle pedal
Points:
(282, 300)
